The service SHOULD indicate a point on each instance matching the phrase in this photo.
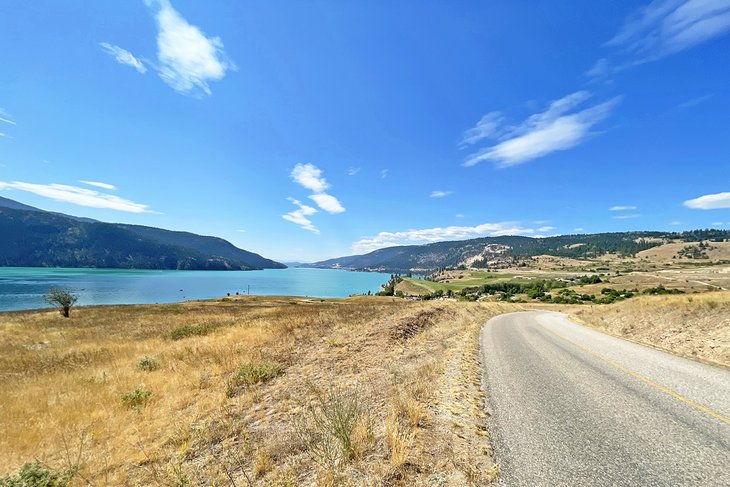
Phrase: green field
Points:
(475, 278)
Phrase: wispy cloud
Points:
(299, 216)
(188, 60)
(560, 127)
(487, 126)
(310, 177)
(384, 173)
(695, 101)
(579, 229)
(352, 171)
(241, 230)
(122, 56)
(709, 202)
(546, 228)
(438, 234)
(675, 222)
(98, 184)
(439, 194)
(622, 208)
(459, 216)
(78, 196)
(626, 216)
(663, 28)
(6, 117)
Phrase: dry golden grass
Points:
(693, 325)
(224, 403)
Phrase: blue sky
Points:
(308, 130)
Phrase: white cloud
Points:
(709, 202)
(188, 60)
(299, 216)
(98, 184)
(352, 171)
(560, 127)
(241, 230)
(663, 28)
(439, 194)
(675, 222)
(429, 235)
(78, 196)
(487, 126)
(601, 69)
(6, 117)
(579, 229)
(310, 177)
(546, 228)
(459, 216)
(122, 56)
(695, 101)
(622, 208)
(626, 216)
(384, 173)
(327, 202)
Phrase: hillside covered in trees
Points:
(480, 251)
(37, 238)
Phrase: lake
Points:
(24, 287)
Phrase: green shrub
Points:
(252, 373)
(36, 475)
(660, 289)
(185, 331)
(137, 398)
(148, 364)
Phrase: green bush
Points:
(252, 373)
(660, 289)
(148, 364)
(137, 398)
(185, 331)
(36, 475)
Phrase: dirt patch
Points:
(411, 326)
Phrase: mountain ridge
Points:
(37, 238)
(505, 251)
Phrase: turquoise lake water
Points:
(24, 287)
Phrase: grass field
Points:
(282, 391)
(252, 391)
(458, 280)
(693, 325)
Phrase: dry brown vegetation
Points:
(693, 325)
(253, 391)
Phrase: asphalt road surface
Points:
(572, 406)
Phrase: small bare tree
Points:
(63, 299)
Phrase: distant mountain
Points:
(507, 250)
(16, 205)
(38, 238)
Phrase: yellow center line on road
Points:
(645, 380)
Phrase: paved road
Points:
(572, 406)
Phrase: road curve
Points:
(573, 406)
